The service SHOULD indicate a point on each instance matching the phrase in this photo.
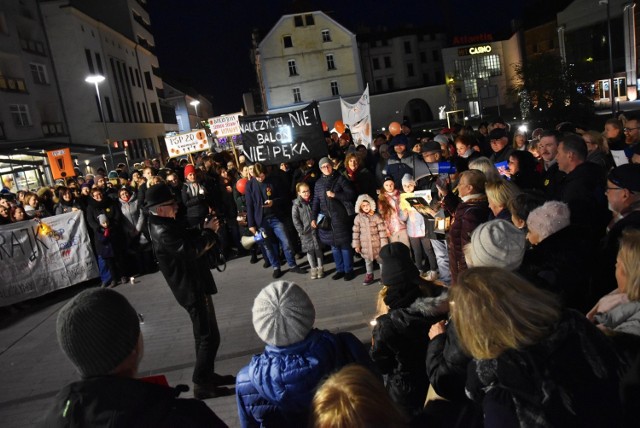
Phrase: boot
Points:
(313, 273)
(320, 272)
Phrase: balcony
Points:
(156, 71)
(142, 23)
(33, 46)
(12, 84)
(145, 44)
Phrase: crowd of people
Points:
(509, 270)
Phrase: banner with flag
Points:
(358, 118)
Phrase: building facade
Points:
(190, 108)
(306, 57)
(403, 59)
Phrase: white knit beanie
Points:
(497, 243)
(549, 218)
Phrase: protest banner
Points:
(358, 117)
(284, 137)
(225, 125)
(190, 142)
(35, 263)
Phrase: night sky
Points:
(206, 44)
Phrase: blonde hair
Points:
(629, 254)
(495, 310)
(475, 178)
(598, 139)
(301, 185)
(354, 398)
(486, 166)
(501, 192)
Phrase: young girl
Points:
(301, 213)
(369, 234)
(394, 217)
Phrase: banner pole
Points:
(235, 153)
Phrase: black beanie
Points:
(400, 275)
(157, 194)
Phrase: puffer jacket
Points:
(301, 213)
(467, 216)
(132, 218)
(277, 386)
(336, 208)
(624, 318)
(369, 230)
(399, 349)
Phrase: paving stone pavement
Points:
(33, 368)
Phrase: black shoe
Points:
(348, 276)
(297, 269)
(266, 264)
(337, 275)
(300, 256)
(220, 380)
(207, 390)
(254, 259)
(277, 273)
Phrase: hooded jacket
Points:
(369, 230)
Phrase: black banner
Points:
(283, 137)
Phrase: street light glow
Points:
(94, 78)
(194, 103)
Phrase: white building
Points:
(190, 108)
(307, 57)
(482, 73)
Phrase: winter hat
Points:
(431, 146)
(406, 123)
(365, 198)
(113, 175)
(408, 179)
(325, 160)
(97, 330)
(400, 275)
(103, 219)
(549, 218)
(626, 176)
(157, 194)
(498, 133)
(441, 139)
(496, 243)
(189, 169)
(400, 139)
(283, 314)
(388, 178)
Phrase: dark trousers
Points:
(207, 338)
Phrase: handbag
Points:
(324, 223)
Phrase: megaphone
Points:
(248, 241)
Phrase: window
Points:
(436, 55)
(4, 29)
(334, 88)
(331, 65)
(423, 57)
(293, 71)
(87, 53)
(147, 80)
(99, 64)
(326, 36)
(107, 103)
(138, 78)
(407, 47)
(425, 79)
(154, 112)
(387, 62)
(296, 95)
(287, 41)
(376, 64)
(39, 73)
(390, 83)
(20, 115)
(297, 20)
(379, 85)
(479, 67)
(308, 19)
(410, 72)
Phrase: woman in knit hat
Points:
(400, 336)
(277, 386)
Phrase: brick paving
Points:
(33, 368)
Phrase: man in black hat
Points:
(181, 256)
(499, 139)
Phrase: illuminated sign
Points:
(474, 50)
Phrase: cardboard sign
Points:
(225, 125)
(61, 163)
(284, 137)
(190, 142)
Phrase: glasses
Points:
(629, 129)
(326, 165)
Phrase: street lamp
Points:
(195, 103)
(96, 79)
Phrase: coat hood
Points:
(361, 199)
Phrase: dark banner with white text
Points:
(283, 137)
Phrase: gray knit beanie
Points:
(97, 330)
(496, 243)
(283, 314)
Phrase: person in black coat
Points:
(180, 253)
(335, 198)
(400, 337)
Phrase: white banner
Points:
(191, 142)
(358, 118)
(34, 264)
(225, 125)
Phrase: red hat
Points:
(189, 169)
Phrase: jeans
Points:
(343, 257)
(442, 257)
(275, 227)
(420, 247)
(207, 337)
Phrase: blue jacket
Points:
(277, 386)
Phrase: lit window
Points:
(334, 88)
(20, 114)
(326, 36)
(296, 95)
(293, 71)
(331, 65)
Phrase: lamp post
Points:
(96, 79)
(611, 84)
(195, 103)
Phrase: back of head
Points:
(496, 243)
(354, 398)
(549, 218)
(283, 314)
(500, 192)
(476, 179)
(628, 255)
(400, 275)
(575, 144)
(520, 314)
(485, 166)
(97, 330)
(524, 203)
